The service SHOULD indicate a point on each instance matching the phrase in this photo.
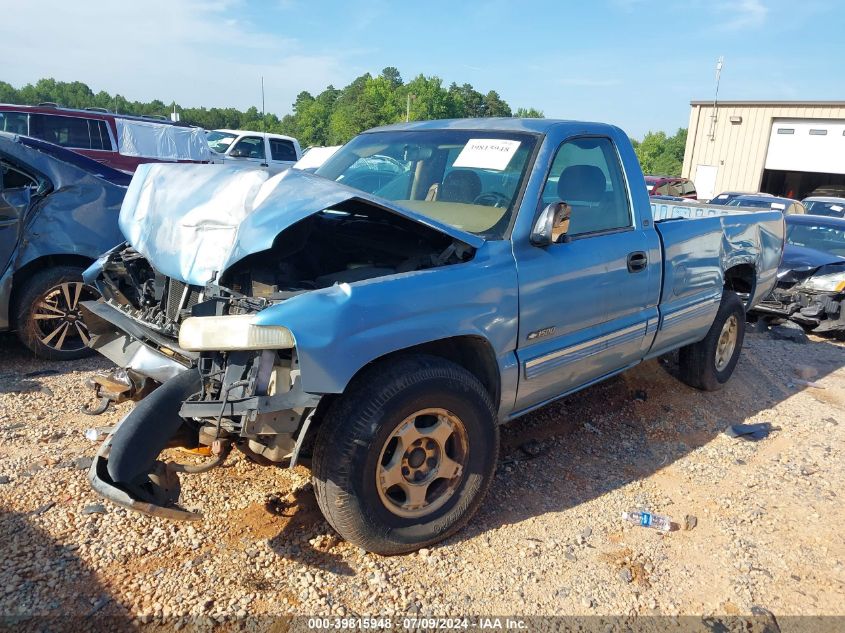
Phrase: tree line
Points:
(335, 115)
(331, 117)
(660, 154)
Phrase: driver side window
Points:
(586, 175)
(249, 147)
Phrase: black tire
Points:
(46, 294)
(698, 363)
(356, 432)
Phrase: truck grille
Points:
(176, 298)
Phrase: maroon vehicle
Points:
(120, 141)
(671, 186)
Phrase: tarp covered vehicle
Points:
(382, 332)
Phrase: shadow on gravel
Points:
(46, 586)
(298, 513)
(21, 370)
(628, 427)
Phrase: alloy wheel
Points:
(422, 462)
(57, 317)
(726, 344)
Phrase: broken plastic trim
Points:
(98, 476)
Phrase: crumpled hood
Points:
(803, 258)
(194, 221)
(800, 263)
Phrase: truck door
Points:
(282, 155)
(587, 301)
(15, 195)
(249, 149)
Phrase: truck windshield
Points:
(219, 141)
(469, 179)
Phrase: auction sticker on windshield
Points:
(487, 153)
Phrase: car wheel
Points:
(404, 459)
(708, 364)
(47, 312)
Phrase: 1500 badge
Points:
(546, 331)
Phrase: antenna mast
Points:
(719, 63)
(264, 124)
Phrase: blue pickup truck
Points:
(379, 324)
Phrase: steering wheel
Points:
(492, 199)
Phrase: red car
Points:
(671, 186)
(120, 141)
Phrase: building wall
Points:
(738, 151)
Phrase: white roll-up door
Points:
(807, 145)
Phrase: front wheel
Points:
(708, 364)
(405, 458)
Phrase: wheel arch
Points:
(473, 353)
(742, 279)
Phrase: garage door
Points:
(807, 145)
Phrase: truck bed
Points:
(698, 250)
(666, 210)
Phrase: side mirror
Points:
(237, 153)
(543, 233)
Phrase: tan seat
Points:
(583, 188)
(460, 185)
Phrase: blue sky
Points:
(635, 63)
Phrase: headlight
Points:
(826, 283)
(231, 333)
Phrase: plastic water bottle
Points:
(647, 519)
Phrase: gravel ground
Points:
(548, 539)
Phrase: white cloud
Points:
(194, 52)
(741, 14)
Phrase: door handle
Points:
(637, 261)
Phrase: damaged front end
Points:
(813, 297)
(249, 399)
(204, 372)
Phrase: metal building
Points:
(786, 148)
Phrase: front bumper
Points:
(820, 312)
(128, 344)
(98, 476)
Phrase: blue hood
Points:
(801, 258)
(192, 222)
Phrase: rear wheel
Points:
(708, 364)
(405, 458)
(48, 313)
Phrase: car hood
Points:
(192, 222)
(800, 262)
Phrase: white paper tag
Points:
(835, 207)
(487, 153)
(778, 206)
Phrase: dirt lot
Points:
(548, 540)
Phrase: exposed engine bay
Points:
(346, 244)
(808, 292)
(249, 400)
(821, 312)
(349, 243)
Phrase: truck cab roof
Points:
(253, 133)
(504, 124)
